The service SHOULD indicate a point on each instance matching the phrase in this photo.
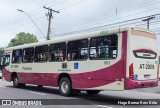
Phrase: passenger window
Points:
(17, 56)
(28, 55)
(104, 47)
(58, 52)
(77, 50)
(41, 53)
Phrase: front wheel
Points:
(15, 82)
(92, 92)
(65, 86)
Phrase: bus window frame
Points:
(86, 47)
(108, 47)
(64, 54)
(28, 55)
(21, 60)
(4, 58)
(41, 61)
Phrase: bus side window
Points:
(17, 56)
(104, 47)
(41, 53)
(58, 51)
(28, 55)
(52, 56)
(77, 50)
(68, 56)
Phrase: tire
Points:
(22, 84)
(40, 85)
(15, 82)
(75, 92)
(65, 87)
(92, 92)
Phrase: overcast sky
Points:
(74, 15)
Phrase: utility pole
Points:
(50, 10)
(148, 19)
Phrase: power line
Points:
(72, 5)
(115, 18)
(108, 11)
(93, 28)
(65, 0)
(32, 21)
(70, 22)
(17, 19)
(111, 11)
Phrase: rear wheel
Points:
(75, 92)
(65, 86)
(92, 92)
(40, 85)
(22, 84)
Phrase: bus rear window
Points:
(144, 54)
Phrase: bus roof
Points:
(78, 36)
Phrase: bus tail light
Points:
(131, 72)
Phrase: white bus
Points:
(112, 59)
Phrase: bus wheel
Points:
(15, 82)
(92, 92)
(65, 87)
(22, 84)
(40, 85)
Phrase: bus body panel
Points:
(141, 48)
(144, 68)
(108, 74)
(6, 74)
(111, 71)
(142, 45)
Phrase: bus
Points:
(121, 58)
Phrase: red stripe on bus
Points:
(124, 52)
(6, 74)
(131, 84)
(79, 80)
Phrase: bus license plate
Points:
(147, 76)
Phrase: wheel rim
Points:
(64, 87)
(15, 81)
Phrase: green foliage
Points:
(23, 38)
(1, 48)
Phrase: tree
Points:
(23, 38)
(1, 48)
